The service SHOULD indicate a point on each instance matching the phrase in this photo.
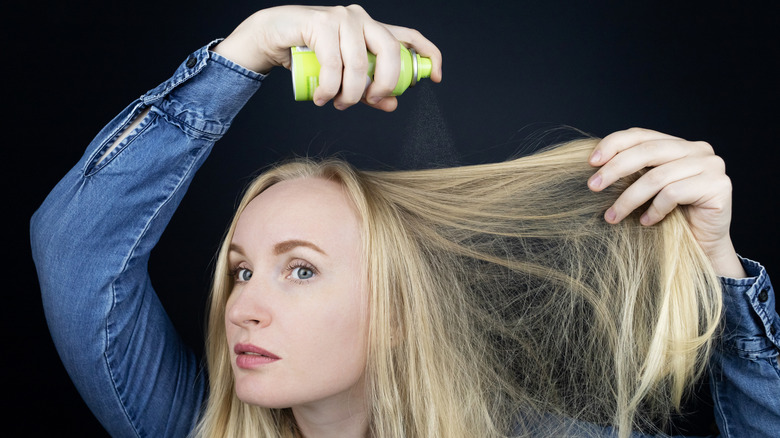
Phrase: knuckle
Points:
(652, 148)
(617, 164)
(358, 64)
(356, 9)
(705, 147)
(382, 87)
(414, 34)
(622, 203)
(655, 176)
(723, 185)
(327, 89)
(340, 10)
(718, 163)
(728, 189)
(330, 61)
(654, 211)
(349, 97)
(324, 17)
(669, 193)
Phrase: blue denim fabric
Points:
(92, 237)
(745, 373)
(91, 241)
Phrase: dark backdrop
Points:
(515, 73)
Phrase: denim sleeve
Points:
(744, 370)
(91, 240)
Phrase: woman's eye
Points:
(302, 273)
(243, 274)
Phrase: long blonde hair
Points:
(502, 304)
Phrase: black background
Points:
(515, 73)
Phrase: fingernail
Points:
(595, 157)
(645, 219)
(610, 215)
(595, 181)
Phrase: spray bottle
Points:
(306, 71)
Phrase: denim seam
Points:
(193, 159)
(217, 62)
(188, 129)
(724, 429)
(93, 167)
(110, 369)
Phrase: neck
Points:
(345, 418)
(353, 425)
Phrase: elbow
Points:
(60, 256)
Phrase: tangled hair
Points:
(502, 304)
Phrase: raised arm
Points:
(92, 237)
(91, 241)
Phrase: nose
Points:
(246, 306)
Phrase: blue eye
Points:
(302, 273)
(243, 274)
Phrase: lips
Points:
(250, 356)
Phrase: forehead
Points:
(313, 209)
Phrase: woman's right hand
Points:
(340, 36)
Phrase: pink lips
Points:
(249, 356)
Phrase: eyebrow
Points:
(282, 247)
(289, 245)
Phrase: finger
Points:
(422, 45)
(703, 191)
(649, 153)
(661, 178)
(619, 141)
(678, 193)
(388, 104)
(355, 64)
(383, 44)
(325, 44)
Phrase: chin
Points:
(260, 397)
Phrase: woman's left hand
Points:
(682, 173)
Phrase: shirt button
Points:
(192, 61)
(772, 330)
(763, 295)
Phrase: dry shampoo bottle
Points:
(306, 71)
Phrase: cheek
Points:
(340, 331)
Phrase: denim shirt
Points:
(92, 237)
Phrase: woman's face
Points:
(296, 320)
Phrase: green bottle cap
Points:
(424, 67)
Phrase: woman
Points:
(399, 360)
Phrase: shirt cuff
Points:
(751, 323)
(205, 93)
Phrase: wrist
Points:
(243, 53)
(244, 47)
(725, 261)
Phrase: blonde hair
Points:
(502, 304)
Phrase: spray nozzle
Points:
(424, 67)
